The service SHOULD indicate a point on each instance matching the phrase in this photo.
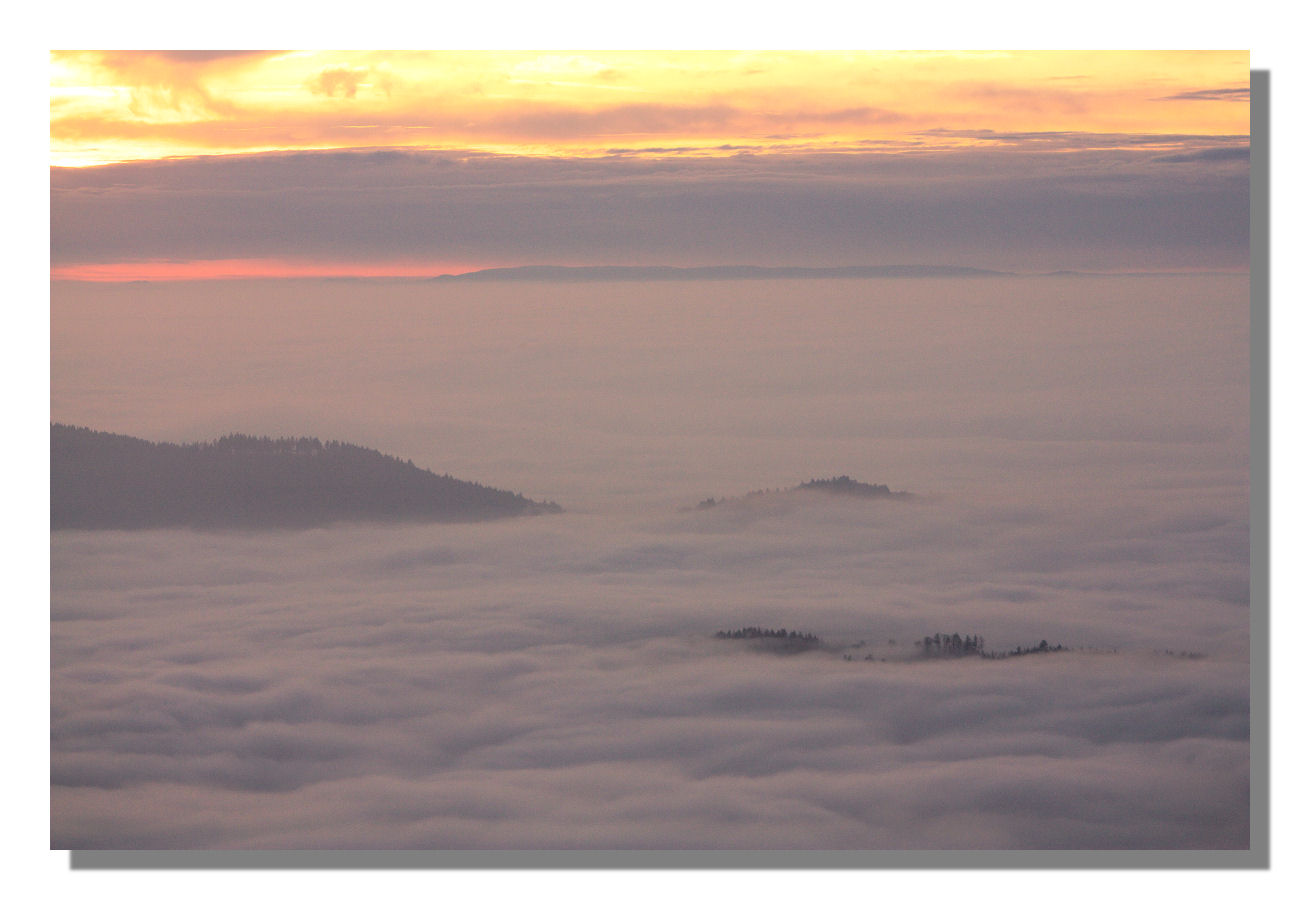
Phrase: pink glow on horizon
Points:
(223, 269)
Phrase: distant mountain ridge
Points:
(104, 480)
(719, 273)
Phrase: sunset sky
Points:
(261, 164)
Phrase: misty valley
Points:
(923, 563)
(102, 480)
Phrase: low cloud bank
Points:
(553, 683)
(1019, 211)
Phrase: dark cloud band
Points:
(1088, 209)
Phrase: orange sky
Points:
(222, 269)
(110, 107)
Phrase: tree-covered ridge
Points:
(938, 646)
(973, 645)
(103, 480)
(778, 639)
(841, 484)
(951, 645)
(1041, 647)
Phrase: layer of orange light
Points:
(114, 107)
(224, 269)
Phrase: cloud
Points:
(1039, 100)
(636, 119)
(558, 102)
(632, 118)
(988, 209)
(193, 57)
(1087, 140)
(166, 82)
(1210, 154)
(1232, 95)
(563, 708)
(338, 79)
(1080, 453)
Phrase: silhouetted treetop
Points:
(956, 644)
(776, 639)
(103, 480)
(843, 484)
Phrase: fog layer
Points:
(1078, 451)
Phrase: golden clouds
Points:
(345, 81)
(108, 107)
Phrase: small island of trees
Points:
(843, 484)
(957, 645)
(936, 646)
(777, 640)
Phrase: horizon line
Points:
(166, 271)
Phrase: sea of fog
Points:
(1077, 449)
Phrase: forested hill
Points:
(102, 480)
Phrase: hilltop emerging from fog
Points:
(103, 480)
(841, 485)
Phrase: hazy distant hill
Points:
(102, 480)
(716, 273)
(842, 485)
